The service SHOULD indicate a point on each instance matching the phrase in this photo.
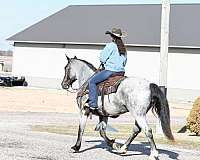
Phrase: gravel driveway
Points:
(18, 142)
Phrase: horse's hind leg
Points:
(142, 122)
(82, 123)
(102, 130)
(136, 131)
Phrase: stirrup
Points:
(100, 111)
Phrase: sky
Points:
(16, 15)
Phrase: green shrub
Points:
(193, 120)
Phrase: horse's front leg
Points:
(82, 123)
(102, 130)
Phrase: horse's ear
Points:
(75, 57)
(67, 57)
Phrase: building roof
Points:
(86, 24)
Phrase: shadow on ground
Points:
(134, 149)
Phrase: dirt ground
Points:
(26, 99)
(33, 106)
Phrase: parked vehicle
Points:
(10, 81)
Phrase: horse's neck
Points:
(84, 74)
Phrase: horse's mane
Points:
(88, 64)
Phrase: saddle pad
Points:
(110, 85)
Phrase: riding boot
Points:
(97, 110)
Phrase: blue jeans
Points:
(97, 78)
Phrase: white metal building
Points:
(40, 50)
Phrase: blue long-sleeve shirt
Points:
(111, 58)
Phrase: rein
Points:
(84, 85)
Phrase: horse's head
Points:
(77, 70)
(70, 73)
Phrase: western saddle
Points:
(104, 88)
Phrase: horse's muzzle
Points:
(68, 83)
(65, 86)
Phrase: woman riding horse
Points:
(113, 57)
(135, 95)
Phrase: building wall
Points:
(44, 67)
(183, 71)
(38, 62)
(49, 63)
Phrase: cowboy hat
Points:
(117, 32)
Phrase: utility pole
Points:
(164, 42)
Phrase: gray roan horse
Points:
(134, 95)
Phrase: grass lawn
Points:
(182, 140)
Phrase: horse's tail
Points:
(160, 106)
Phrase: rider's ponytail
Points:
(120, 45)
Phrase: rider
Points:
(114, 58)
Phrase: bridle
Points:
(70, 81)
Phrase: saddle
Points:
(106, 87)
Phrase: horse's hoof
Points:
(116, 146)
(71, 151)
(153, 155)
(152, 158)
(74, 149)
(100, 126)
(122, 150)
